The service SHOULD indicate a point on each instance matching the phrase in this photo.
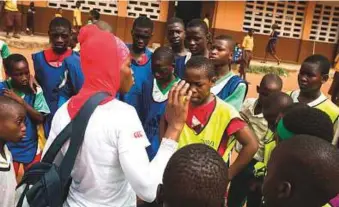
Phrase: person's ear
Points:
(214, 80)
(324, 78)
(284, 190)
(160, 194)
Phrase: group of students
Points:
(186, 99)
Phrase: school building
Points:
(306, 27)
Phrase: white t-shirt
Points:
(112, 165)
(7, 180)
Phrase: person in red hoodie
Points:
(113, 158)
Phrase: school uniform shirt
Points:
(7, 180)
(4, 53)
(26, 150)
(77, 17)
(154, 101)
(60, 77)
(257, 123)
(248, 43)
(142, 75)
(232, 89)
(11, 5)
(324, 104)
(180, 64)
(212, 124)
(112, 164)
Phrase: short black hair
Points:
(321, 62)
(201, 63)
(311, 165)
(143, 22)
(60, 22)
(11, 60)
(310, 121)
(196, 175)
(198, 23)
(227, 38)
(271, 78)
(59, 9)
(279, 100)
(95, 14)
(174, 20)
(6, 104)
(163, 53)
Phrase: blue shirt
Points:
(142, 75)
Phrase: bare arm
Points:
(34, 114)
(249, 142)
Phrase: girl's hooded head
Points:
(102, 57)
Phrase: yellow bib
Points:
(270, 144)
(330, 109)
(212, 134)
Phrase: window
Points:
(325, 23)
(151, 9)
(289, 15)
(108, 7)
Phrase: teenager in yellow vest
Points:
(212, 121)
(313, 73)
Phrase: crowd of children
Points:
(286, 143)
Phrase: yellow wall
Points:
(229, 15)
(36, 3)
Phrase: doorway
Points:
(188, 10)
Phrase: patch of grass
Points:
(268, 69)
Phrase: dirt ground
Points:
(290, 82)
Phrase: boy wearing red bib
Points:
(212, 121)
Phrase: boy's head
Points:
(201, 76)
(307, 120)
(12, 120)
(273, 105)
(16, 67)
(142, 32)
(302, 171)
(221, 52)
(313, 73)
(250, 32)
(275, 26)
(195, 176)
(163, 64)
(78, 4)
(59, 10)
(59, 34)
(197, 36)
(269, 84)
(175, 31)
(31, 4)
(94, 15)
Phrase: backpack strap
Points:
(78, 132)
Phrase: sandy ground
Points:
(290, 82)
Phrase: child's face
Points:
(60, 38)
(126, 77)
(175, 33)
(12, 127)
(141, 37)
(200, 85)
(196, 40)
(271, 115)
(20, 74)
(162, 70)
(221, 53)
(264, 90)
(310, 78)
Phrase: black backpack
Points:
(45, 183)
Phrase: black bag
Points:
(45, 183)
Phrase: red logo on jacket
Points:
(138, 134)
